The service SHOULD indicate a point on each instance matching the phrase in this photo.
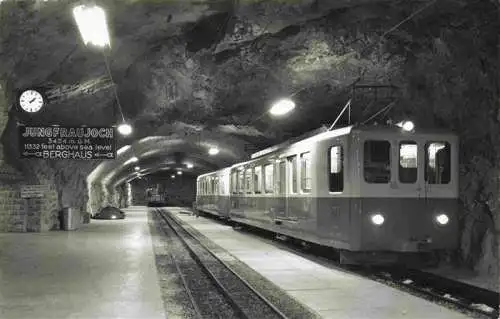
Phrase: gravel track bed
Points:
(250, 304)
(170, 256)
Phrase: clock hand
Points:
(33, 100)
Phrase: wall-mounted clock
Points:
(31, 101)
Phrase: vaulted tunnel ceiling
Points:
(190, 74)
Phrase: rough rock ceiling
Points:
(191, 74)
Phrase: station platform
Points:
(331, 293)
(105, 269)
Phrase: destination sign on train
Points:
(71, 143)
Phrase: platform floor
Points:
(331, 293)
(106, 269)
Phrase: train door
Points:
(282, 191)
(291, 185)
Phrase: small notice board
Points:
(33, 191)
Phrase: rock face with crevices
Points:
(191, 75)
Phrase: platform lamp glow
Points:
(282, 107)
(189, 165)
(91, 21)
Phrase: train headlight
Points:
(442, 219)
(378, 219)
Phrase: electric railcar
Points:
(363, 190)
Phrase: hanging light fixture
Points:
(91, 21)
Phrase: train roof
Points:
(324, 133)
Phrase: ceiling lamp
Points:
(132, 160)
(172, 176)
(179, 172)
(123, 149)
(189, 165)
(213, 151)
(282, 107)
(91, 21)
(125, 129)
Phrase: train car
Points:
(212, 193)
(157, 200)
(363, 190)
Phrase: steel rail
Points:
(169, 220)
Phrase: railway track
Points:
(213, 289)
(472, 300)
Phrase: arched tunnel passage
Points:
(189, 76)
(184, 152)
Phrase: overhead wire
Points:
(108, 69)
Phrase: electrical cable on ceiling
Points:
(108, 69)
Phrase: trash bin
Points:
(70, 218)
(86, 218)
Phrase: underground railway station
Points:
(249, 159)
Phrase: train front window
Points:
(437, 162)
(377, 162)
(336, 169)
(408, 153)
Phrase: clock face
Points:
(31, 101)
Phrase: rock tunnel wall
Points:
(18, 214)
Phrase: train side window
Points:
(248, 180)
(408, 162)
(268, 178)
(292, 173)
(257, 186)
(241, 181)
(234, 182)
(336, 169)
(282, 178)
(305, 172)
(438, 162)
(377, 162)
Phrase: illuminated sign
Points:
(73, 143)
